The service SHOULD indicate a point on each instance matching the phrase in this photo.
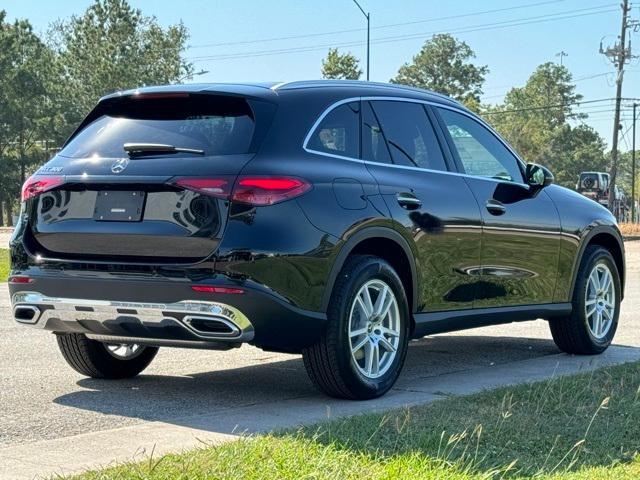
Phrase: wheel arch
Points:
(387, 244)
(609, 238)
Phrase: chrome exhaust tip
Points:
(26, 313)
(208, 326)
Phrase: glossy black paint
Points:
(504, 248)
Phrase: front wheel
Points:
(101, 360)
(362, 351)
(596, 306)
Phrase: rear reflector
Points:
(212, 289)
(36, 184)
(20, 279)
(268, 190)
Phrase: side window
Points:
(374, 147)
(410, 135)
(480, 152)
(338, 132)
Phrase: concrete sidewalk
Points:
(107, 447)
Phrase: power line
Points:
(379, 27)
(579, 79)
(548, 107)
(397, 38)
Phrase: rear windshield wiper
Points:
(134, 149)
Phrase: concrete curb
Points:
(135, 443)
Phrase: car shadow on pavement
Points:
(174, 399)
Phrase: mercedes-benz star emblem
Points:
(120, 165)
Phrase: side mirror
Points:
(537, 176)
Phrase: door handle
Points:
(408, 201)
(495, 207)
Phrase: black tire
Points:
(572, 333)
(329, 362)
(91, 358)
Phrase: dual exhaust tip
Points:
(201, 325)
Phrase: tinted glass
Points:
(409, 134)
(480, 152)
(374, 147)
(218, 125)
(339, 132)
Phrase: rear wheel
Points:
(101, 360)
(596, 306)
(363, 349)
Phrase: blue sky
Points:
(511, 51)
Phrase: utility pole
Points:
(562, 54)
(633, 166)
(368, 17)
(619, 55)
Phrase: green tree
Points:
(444, 65)
(573, 150)
(341, 66)
(113, 46)
(530, 115)
(25, 73)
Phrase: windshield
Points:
(215, 124)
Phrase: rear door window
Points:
(339, 132)
(219, 125)
(409, 133)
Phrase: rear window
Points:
(218, 125)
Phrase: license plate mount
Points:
(119, 206)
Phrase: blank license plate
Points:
(119, 206)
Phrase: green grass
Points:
(4, 264)
(581, 427)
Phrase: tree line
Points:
(48, 84)
(538, 119)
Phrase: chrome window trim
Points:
(335, 105)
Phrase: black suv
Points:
(329, 218)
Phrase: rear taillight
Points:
(268, 190)
(250, 190)
(35, 185)
(216, 187)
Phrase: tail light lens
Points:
(257, 191)
(261, 191)
(35, 185)
(215, 187)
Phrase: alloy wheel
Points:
(124, 351)
(374, 329)
(600, 301)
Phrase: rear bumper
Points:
(163, 312)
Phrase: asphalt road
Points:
(41, 398)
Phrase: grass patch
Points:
(5, 266)
(574, 428)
